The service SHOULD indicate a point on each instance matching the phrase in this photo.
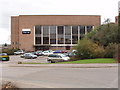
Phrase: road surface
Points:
(58, 77)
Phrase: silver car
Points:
(53, 58)
(29, 56)
(19, 52)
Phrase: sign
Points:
(26, 31)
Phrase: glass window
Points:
(45, 30)
(89, 28)
(37, 29)
(82, 29)
(60, 34)
(45, 34)
(37, 40)
(67, 34)
(74, 34)
(82, 36)
(52, 34)
(60, 29)
(74, 29)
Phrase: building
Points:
(35, 32)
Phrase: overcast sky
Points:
(8, 8)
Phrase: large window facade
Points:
(45, 34)
(67, 34)
(58, 35)
(74, 34)
(38, 34)
(52, 34)
(82, 31)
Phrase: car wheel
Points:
(52, 61)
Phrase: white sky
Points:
(8, 8)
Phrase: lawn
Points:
(84, 61)
(87, 61)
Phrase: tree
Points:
(88, 49)
(5, 44)
(104, 34)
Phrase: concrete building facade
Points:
(41, 32)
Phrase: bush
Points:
(9, 86)
(9, 51)
(75, 58)
(88, 49)
(111, 50)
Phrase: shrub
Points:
(75, 58)
(9, 86)
(88, 49)
(117, 55)
(111, 50)
(9, 51)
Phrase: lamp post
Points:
(118, 55)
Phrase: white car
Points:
(19, 52)
(46, 53)
(52, 58)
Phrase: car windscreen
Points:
(3, 54)
(62, 55)
(51, 55)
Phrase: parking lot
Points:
(17, 58)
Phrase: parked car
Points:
(38, 53)
(74, 51)
(29, 56)
(19, 52)
(71, 54)
(22, 55)
(53, 58)
(58, 51)
(46, 53)
(63, 51)
(4, 57)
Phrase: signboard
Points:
(26, 31)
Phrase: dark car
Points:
(38, 53)
(4, 57)
(63, 51)
(58, 51)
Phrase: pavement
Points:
(97, 65)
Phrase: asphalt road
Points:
(52, 77)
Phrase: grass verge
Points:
(84, 61)
(87, 61)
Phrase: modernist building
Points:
(35, 32)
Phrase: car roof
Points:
(3, 53)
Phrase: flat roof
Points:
(56, 15)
